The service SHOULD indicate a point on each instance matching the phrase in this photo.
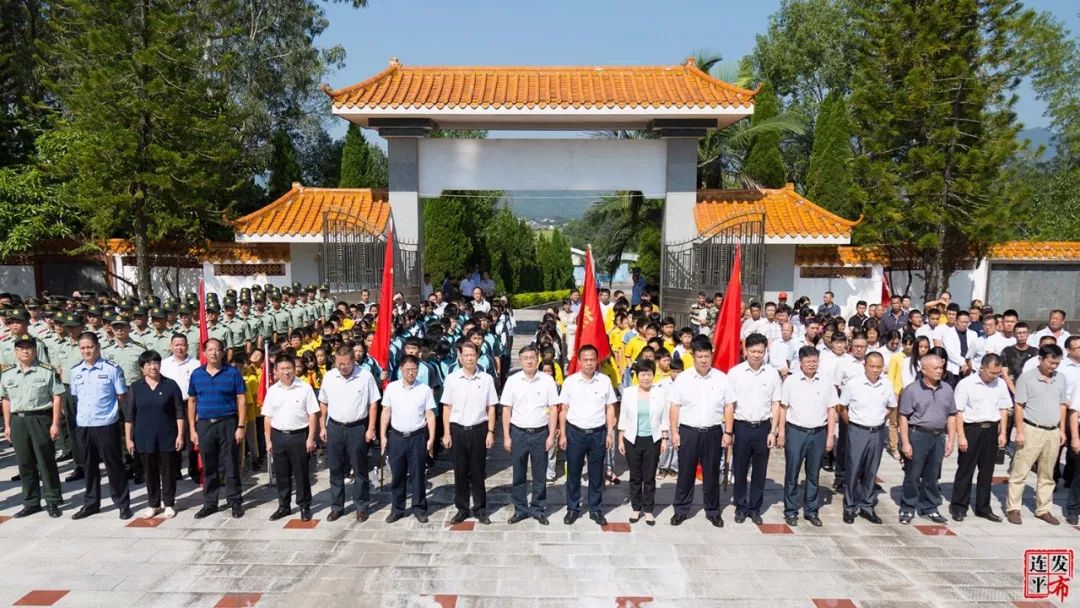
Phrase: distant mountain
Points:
(558, 206)
(1039, 136)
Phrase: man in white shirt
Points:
(426, 288)
(995, 340)
(1055, 327)
(756, 323)
(982, 405)
(933, 327)
(178, 368)
(479, 303)
(865, 403)
(783, 352)
(771, 327)
(528, 400)
(699, 397)
(469, 401)
(807, 421)
(348, 404)
(586, 430)
(409, 416)
(290, 411)
(960, 344)
(466, 286)
(487, 285)
(752, 419)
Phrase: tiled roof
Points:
(1037, 250)
(531, 87)
(211, 252)
(788, 215)
(300, 212)
(834, 255)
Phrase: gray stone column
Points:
(679, 226)
(404, 171)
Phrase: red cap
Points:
(782, 296)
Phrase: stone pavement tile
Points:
(113, 599)
(179, 600)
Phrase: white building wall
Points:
(17, 279)
(220, 284)
(961, 286)
(849, 290)
(305, 263)
(780, 272)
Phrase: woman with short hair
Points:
(153, 425)
(643, 427)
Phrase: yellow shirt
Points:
(633, 349)
(609, 319)
(347, 324)
(251, 391)
(615, 337)
(896, 371)
(669, 344)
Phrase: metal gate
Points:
(704, 264)
(353, 252)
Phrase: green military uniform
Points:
(140, 335)
(279, 321)
(257, 325)
(297, 316)
(7, 343)
(191, 333)
(68, 356)
(237, 330)
(30, 392)
(126, 357)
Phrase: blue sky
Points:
(559, 32)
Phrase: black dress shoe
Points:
(791, 521)
(677, 519)
(333, 516)
(75, 475)
(54, 511)
(459, 517)
(905, 518)
(958, 515)
(421, 517)
(281, 512)
(936, 517)
(361, 516)
(598, 518)
(756, 519)
(394, 517)
(517, 517)
(125, 513)
(571, 517)
(740, 518)
(237, 510)
(84, 512)
(483, 518)
(814, 520)
(871, 516)
(715, 520)
(16, 477)
(206, 511)
(991, 516)
(542, 520)
(137, 479)
(849, 517)
(305, 514)
(26, 511)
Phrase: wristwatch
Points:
(726, 432)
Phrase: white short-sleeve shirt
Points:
(586, 400)
(808, 400)
(408, 405)
(288, 407)
(469, 397)
(347, 399)
(868, 402)
(755, 391)
(530, 399)
(997, 343)
(178, 372)
(701, 399)
(979, 401)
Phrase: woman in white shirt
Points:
(911, 368)
(643, 435)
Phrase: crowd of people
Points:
(289, 373)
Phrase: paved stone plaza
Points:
(103, 561)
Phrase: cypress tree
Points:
(356, 161)
(830, 181)
(284, 165)
(764, 163)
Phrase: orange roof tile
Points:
(533, 87)
(836, 255)
(787, 213)
(300, 211)
(212, 252)
(1036, 250)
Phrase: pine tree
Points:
(764, 163)
(360, 162)
(284, 165)
(932, 105)
(830, 181)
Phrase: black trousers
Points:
(102, 444)
(292, 466)
(160, 468)
(642, 457)
(406, 457)
(528, 448)
(840, 457)
(981, 453)
(699, 447)
(71, 441)
(750, 454)
(470, 466)
(346, 446)
(220, 453)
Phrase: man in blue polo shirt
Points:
(98, 386)
(216, 415)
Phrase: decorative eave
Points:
(790, 218)
(298, 215)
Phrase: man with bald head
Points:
(927, 436)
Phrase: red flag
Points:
(590, 318)
(380, 347)
(204, 333)
(886, 297)
(726, 340)
(264, 381)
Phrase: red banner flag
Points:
(264, 380)
(727, 344)
(886, 297)
(380, 347)
(590, 318)
(204, 333)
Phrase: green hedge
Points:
(527, 300)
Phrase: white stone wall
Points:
(17, 279)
